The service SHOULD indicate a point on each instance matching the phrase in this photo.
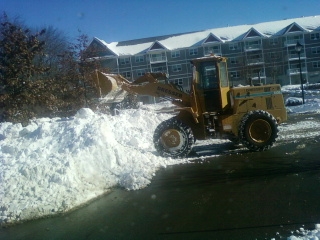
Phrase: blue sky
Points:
(118, 20)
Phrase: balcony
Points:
(159, 69)
(252, 47)
(256, 74)
(293, 42)
(158, 59)
(210, 53)
(255, 61)
(262, 76)
(295, 56)
(295, 71)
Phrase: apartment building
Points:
(261, 53)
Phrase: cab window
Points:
(223, 74)
(208, 75)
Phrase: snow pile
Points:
(294, 100)
(313, 105)
(54, 165)
(307, 234)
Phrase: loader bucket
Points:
(109, 87)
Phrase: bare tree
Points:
(56, 44)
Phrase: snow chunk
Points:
(84, 113)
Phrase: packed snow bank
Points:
(54, 165)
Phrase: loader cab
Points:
(210, 74)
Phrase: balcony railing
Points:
(162, 70)
(217, 52)
(253, 47)
(256, 75)
(294, 71)
(295, 56)
(255, 61)
(157, 59)
(291, 42)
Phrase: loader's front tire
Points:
(258, 130)
(173, 138)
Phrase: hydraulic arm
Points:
(114, 88)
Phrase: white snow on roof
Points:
(225, 34)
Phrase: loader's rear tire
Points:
(173, 138)
(258, 130)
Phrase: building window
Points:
(233, 46)
(315, 50)
(175, 54)
(141, 72)
(178, 81)
(139, 58)
(234, 74)
(316, 64)
(193, 51)
(176, 68)
(233, 60)
(315, 36)
(126, 74)
(273, 41)
(124, 61)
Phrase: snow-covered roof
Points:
(225, 34)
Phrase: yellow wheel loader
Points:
(213, 109)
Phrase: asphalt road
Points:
(237, 195)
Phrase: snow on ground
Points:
(304, 234)
(54, 165)
(294, 98)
